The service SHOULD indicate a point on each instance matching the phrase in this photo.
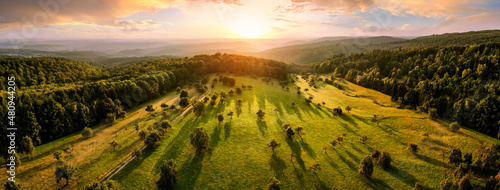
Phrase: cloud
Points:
(25, 13)
(431, 8)
(405, 26)
(342, 6)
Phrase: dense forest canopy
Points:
(458, 83)
(77, 95)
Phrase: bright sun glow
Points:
(248, 26)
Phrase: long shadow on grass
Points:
(402, 175)
(433, 161)
(278, 165)
(123, 174)
(262, 127)
(352, 156)
(378, 184)
(333, 164)
(347, 162)
(227, 130)
(189, 172)
(214, 139)
(322, 184)
(297, 152)
(298, 174)
(308, 149)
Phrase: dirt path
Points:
(115, 170)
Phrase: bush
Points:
(184, 102)
(375, 154)
(363, 139)
(65, 171)
(454, 126)
(143, 134)
(337, 111)
(165, 125)
(366, 167)
(58, 155)
(418, 186)
(412, 147)
(153, 139)
(164, 105)
(273, 144)
(86, 132)
(150, 108)
(184, 93)
(385, 160)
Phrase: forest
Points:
(58, 96)
(457, 83)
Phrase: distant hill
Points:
(319, 49)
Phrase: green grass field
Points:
(238, 157)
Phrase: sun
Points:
(248, 26)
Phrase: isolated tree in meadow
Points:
(287, 89)
(375, 154)
(184, 93)
(64, 170)
(168, 175)
(337, 111)
(374, 119)
(68, 149)
(136, 128)
(230, 114)
(12, 185)
(220, 118)
(223, 94)
(150, 108)
(366, 167)
(222, 100)
(298, 93)
(184, 102)
(274, 184)
(206, 99)
(58, 155)
(26, 146)
(199, 108)
(340, 139)
(385, 160)
(261, 114)
(306, 89)
(299, 130)
(231, 92)
(87, 132)
(363, 139)
(113, 144)
(273, 144)
(455, 156)
(293, 104)
(178, 89)
(290, 133)
(467, 158)
(323, 103)
(212, 102)
(199, 140)
(238, 90)
(348, 109)
(239, 102)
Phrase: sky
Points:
(202, 19)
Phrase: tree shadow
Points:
(433, 161)
(352, 156)
(189, 172)
(377, 184)
(214, 139)
(262, 127)
(297, 151)
(308, 149)
(322, 184)
(402, 175)
(278, 165)
(347, 162)
(349, 119)
(227, 130)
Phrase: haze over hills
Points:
(302, 51)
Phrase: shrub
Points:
(454, 126)
(375, 154)
(274, 184)
(412, 147)
(418, 186)
(103, 185)
(165, 125)
(86, 132)
(273, 144)
(366, 167)
(455, 156)
(184, 102)
(153, 139)
(65, 171)
(143, 134)
(385, 160)
(164, 105)
(58, 155)
(363, 139)
(184, 93)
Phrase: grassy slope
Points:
(238, 157)
(94, 156)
